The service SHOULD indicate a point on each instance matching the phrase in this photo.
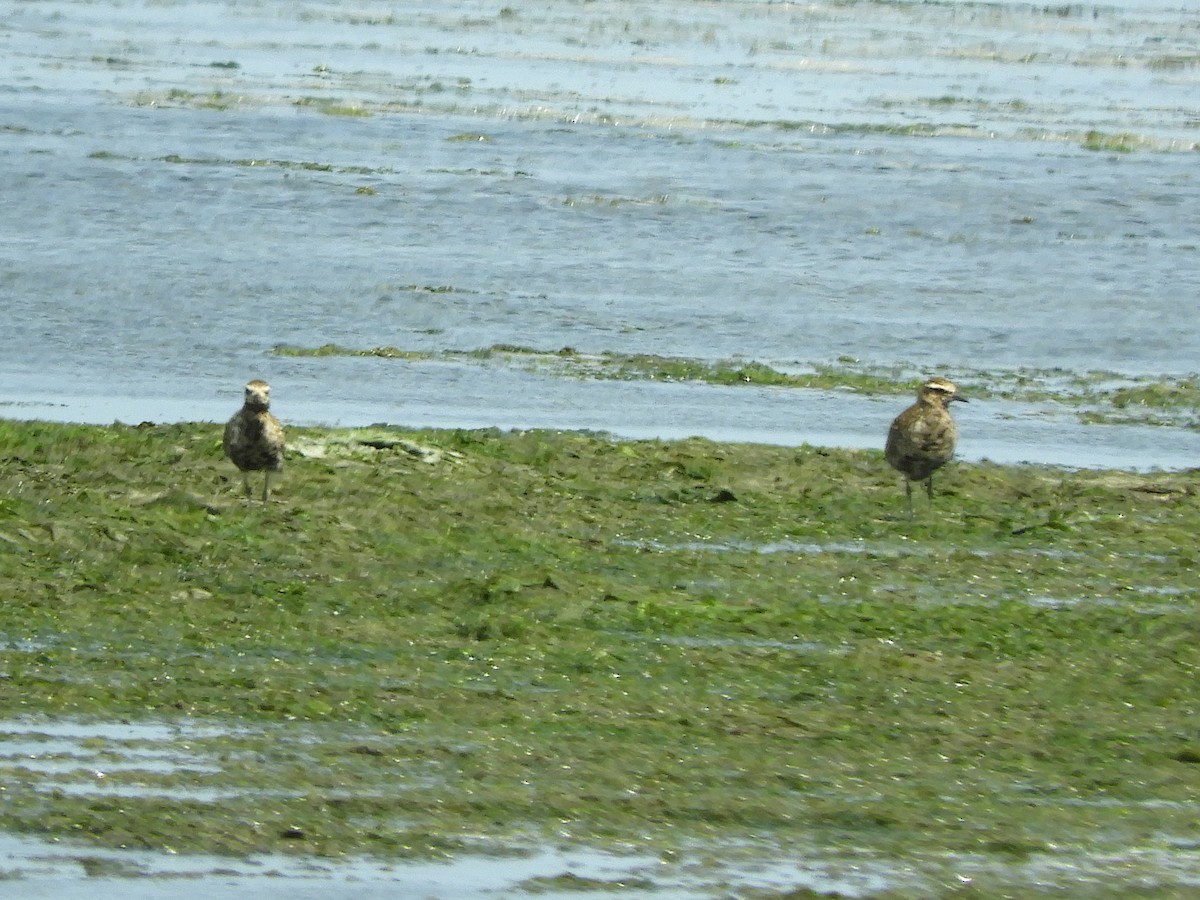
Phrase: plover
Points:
(923, 437)
(254, 438)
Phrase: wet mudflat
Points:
(659, 666)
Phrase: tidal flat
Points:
(444, 642)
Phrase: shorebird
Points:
(923, 437)
(254, 438)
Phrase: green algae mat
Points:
(445, 640)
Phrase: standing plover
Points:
(254, 438)
(923, 437)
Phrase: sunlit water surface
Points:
(992, 186)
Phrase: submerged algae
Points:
(567, 635)
(1102, 397)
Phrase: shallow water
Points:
(61, 869)
(191, 185)
(105, 759)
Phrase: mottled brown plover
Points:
(923, 437)
(254, 438)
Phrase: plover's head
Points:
(258, 395)
(940, 391)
